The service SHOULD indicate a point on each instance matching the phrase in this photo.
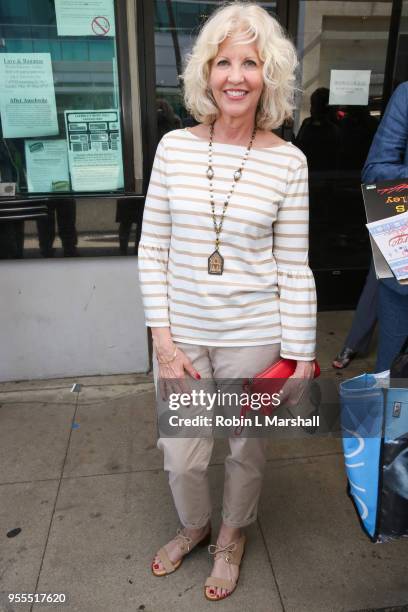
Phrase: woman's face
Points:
(236, 79)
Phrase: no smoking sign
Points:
(100, 25)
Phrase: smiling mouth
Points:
(236, 93)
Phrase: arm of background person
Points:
(387, 158)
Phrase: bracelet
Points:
(170, 360)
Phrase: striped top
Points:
(267, 293)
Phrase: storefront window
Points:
(59, 98)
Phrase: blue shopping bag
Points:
(374, 420)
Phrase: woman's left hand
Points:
(295, 386)
(304, 369)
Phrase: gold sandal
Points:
(186, 544)
(232, 554)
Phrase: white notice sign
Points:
(349, 87)
(85, 18)
(94, 150)
(47, 165)
(27, 96)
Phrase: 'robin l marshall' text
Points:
(235, 421)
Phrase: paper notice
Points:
(94, 150)
(90, 18)
(47, 165)
(27, 96)
(349, 87)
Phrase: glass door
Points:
(401, 64)
(343, 49)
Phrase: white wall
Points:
(71, 317)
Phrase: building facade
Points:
(86, 92)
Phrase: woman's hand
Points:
(304, 369)
(295, 386)
(173, 363)
(172, 375)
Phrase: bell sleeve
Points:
(296, 285)
(154, 245)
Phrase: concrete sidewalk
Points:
(82, 478)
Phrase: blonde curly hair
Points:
(250, 23)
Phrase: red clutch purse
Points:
(264, 381)
(270, 381)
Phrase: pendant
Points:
(216, 263)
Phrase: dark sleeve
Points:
(387, 158)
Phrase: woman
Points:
(223, 262)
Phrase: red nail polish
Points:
(198, 377)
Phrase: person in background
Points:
(318, 136)
(167, 119)
(357, 131)
(388, 160)
(364, 323)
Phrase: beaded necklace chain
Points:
(216, 260)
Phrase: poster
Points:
(349, 87)
(382, 200)
(27, 96)
(94, 150)
(47, 165)
(115, 82)
(391, 237)
(90, 18)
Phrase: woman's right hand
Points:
(173, 364)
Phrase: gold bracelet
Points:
(170, 360)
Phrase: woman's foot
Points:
(185, 540)
(222, 568)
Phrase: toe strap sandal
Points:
(232, 554)
(343, 358)
(186, 544)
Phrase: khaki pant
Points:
(187, 459)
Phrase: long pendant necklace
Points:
(216, 260)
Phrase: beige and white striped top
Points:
(267, 292)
